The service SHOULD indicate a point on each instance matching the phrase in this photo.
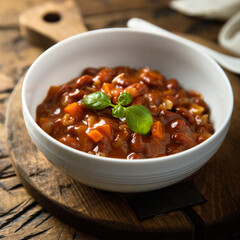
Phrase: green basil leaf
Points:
(139, 119)
(118, 111)
(125, 98)
(97, 100)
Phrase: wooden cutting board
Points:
(110, 214)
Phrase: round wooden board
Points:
(94, 211)
(109, 214)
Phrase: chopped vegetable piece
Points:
(157, 129)
(196, 109)
(43, 120)
(107, 88)
(74, 110)
(105, 129)
(95, 135)
(47, 127)
(168, 104)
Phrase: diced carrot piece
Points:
(95, 135)
(107, 88)
(74, 110)
(105, 129)
(157, 129)
(196, 109)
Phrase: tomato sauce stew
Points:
(180, 117)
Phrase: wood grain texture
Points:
(22, 218)
(51, 22)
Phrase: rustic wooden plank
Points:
(16, 55)
(219, 182)
(23, 218)
(162, 16)
(3, 138)
(51, 22)
(7, 84)
(10, 11)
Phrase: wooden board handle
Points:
(51, 22)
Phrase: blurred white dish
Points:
(134, 48)
(212, 9)
(228, 62)
(229, 35)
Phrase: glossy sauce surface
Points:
(181, 117)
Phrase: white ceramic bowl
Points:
(121, 46)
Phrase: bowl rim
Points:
(172, 157)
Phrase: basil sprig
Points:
(97, 101)
(118, 111)
(138, 118)
(125, 99)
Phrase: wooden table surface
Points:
(21, 217)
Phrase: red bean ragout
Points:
(180, 117)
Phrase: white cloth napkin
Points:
(213, 9)
(229, 35)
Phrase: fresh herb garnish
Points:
(125, 99)
(118, 111)
(97, 101)
(138, 118)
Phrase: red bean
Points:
(209, 127)
(105, 75)
(172, 83)
(136, 89)
(77, 95)
(181, 94)
(186, 114)
(153, 78)
(42, 110)
(123, 81)
(128, 72)
(134, 155)
(91, 71)
(154, 97)
(137, 143)
(168, 116)
(63, 89)
(83, 81)
(178, 125)
(183, 139)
